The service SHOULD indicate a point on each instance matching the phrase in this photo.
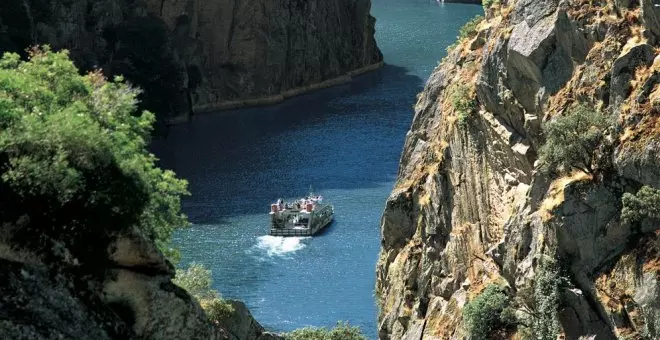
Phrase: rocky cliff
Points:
(127, 295)
(196, 55)
(472, 206)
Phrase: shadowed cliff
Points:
(203, 55)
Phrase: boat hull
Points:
(317, 221)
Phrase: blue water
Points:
(345, 141)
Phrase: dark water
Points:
(345, 141)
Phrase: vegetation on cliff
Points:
(490, 311)
(572, 141)
(463, 104)
(197, 281)
(641, 205)
(82, 199)
(547, 301)
(467, 31)
(79, 188)
(558, 165)
(343, 331)
(74, 167)
(73, 158)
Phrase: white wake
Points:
(280, 246)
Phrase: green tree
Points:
(74, 166)
(488, 312)
(641, 205)
(572, 140)
(342, 331)
(546, 300)
(197, 281)
(465, 107)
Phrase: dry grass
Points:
(651, 254)
(616, 287)
(587, 80)
(635, 40)
(555, 195)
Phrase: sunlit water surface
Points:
(345, 141)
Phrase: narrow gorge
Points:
(476, 214)
(525, 203)
(195, 56)
(86, 214)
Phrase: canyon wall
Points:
(126, 294)
(201, 55)
(472, 206)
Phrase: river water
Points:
(345, 142)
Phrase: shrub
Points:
(463, 104)
(466, 31)
(74, 164)
(489, 3)
(488, 312)
(644, 204)
(216, 309)
(343, 331)
(470, 28)
(197, 281)
(571, 140)
(546, 301)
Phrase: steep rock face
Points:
(242, 326)
(470, 207)
(130, 296)
(201, 54)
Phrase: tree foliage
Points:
(546, 300)
(488, 312)
(467, 31)
(342, 331)
(197, 281)
(464, 105)
(572, 140)
(73, 159)
(489, 3)
(641, 205)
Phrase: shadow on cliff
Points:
(345, 137)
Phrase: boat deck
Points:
(300, 222)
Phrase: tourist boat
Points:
(303, 217)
